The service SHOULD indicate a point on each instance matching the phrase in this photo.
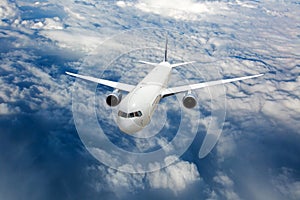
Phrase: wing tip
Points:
(70, 73)
(258, 75)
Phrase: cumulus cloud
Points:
(227, 186)
(177, 178)
(74, 14)
(6, 109)
(123, 183)
(84, 41)
(226, 146)
(286, 184)
(47, 23)
(8, 12)
(180, 10)
(36, 90)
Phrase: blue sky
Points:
(257, 155)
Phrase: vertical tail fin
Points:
(165, 58)
(166, 50)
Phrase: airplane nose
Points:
(128, 125)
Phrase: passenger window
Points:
(131, 115)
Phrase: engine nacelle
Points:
(189, 100)
(114, 98)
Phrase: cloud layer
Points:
(257, 155)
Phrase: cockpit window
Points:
(138, 114)
(122, 114)
(130, 115)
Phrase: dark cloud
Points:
(252, 154)
(38, 160)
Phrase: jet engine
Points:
(189, 100)
(114, 98)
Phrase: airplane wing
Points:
(113, 84)
(180, 64)
(148, 63)
(184, 88)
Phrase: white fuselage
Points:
(136, 109)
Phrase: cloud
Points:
(33, 88)
(8, 12)
(122, 4)
(262, 120)
(249, 156)
(123, 184)
(73, 14)
(180, 10)
(6, 109)
(286, 184)
(175, 177)
(226, 146)
(227, 189)
(46, 23)
(84, 41)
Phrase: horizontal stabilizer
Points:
(148, 63)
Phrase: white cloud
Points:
(74, 14)
(183, 10)
(122, 183)
(226, 146)
(8, 11)
(82, 40)
(4, 108)
(122, 4)
(223, 179)
(32, 86)
(247, 4)
(47, 23)
(286, 184)
(8, 109)
(284, 111)
(175, 177)
(227, 186)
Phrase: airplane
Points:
(136, 109)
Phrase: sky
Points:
(45, 115)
